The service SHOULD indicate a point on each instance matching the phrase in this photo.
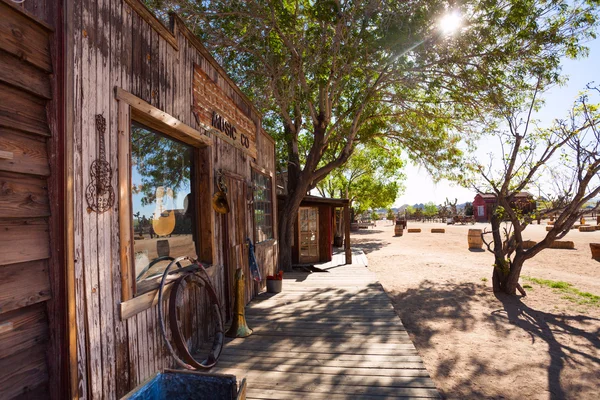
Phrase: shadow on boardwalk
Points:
(497, 333)
(327, 336)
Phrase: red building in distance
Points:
(484, 203)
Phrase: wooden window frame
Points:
(132, 108)
(258, 170)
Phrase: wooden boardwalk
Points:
(330, 335)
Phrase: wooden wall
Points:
(31, 320)
(116, 43)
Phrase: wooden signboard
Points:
(217, 113)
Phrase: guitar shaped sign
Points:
(163, 220)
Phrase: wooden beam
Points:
(206, 215)
(148, 115)
(124, 160)
(261, 169)
(347, 234)
(142, 302)
(149, 299)
(150, 18)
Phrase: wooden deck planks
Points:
(330, 335)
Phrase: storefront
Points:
(143, 128)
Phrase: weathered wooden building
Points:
(315, 227)
(115, 133)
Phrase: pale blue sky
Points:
(420, 188)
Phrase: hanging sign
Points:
(216, 112)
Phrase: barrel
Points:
(595, 248)
(474, 239)
(162, 248)
(398, 230)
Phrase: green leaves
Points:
(371, 178)
(331, 75)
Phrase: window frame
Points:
(481, 210)
(256, 170)
(130, 109)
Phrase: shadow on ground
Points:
(368, 244)
(547, 327)
(571, 341)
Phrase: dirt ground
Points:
(476, 344)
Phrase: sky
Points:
(420, 188)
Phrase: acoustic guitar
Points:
(163, 221)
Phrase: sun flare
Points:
(450, 23)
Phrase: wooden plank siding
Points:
(31, 334)
(116, 44)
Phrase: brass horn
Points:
(220, 203)
(239, 328)
(219, 200)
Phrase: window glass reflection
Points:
(162, 203)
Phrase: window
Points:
(480, 211)
(163, 203)
(263, 207)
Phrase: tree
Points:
(375, 216)
(567, 153)
(430, 210)
(390, 215)
(469, 209)
(371, 179)
(330, 74)
(418, 214)
(451, 207)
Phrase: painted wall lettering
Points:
(224, 126)
(217, 112)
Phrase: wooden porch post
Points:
(347, 234)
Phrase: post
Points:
(347, 234)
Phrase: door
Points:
(234, 236)
(308, 234)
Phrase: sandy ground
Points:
(476, 344)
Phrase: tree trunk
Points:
(287, 220)
(506, 275)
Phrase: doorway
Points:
(234, 236)
(308, 234)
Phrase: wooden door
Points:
(308, 234)
(234, 238)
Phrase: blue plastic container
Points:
(186, 385)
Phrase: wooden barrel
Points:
(474, 239)
(162, 248)
(398, 230)
(595, 248)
